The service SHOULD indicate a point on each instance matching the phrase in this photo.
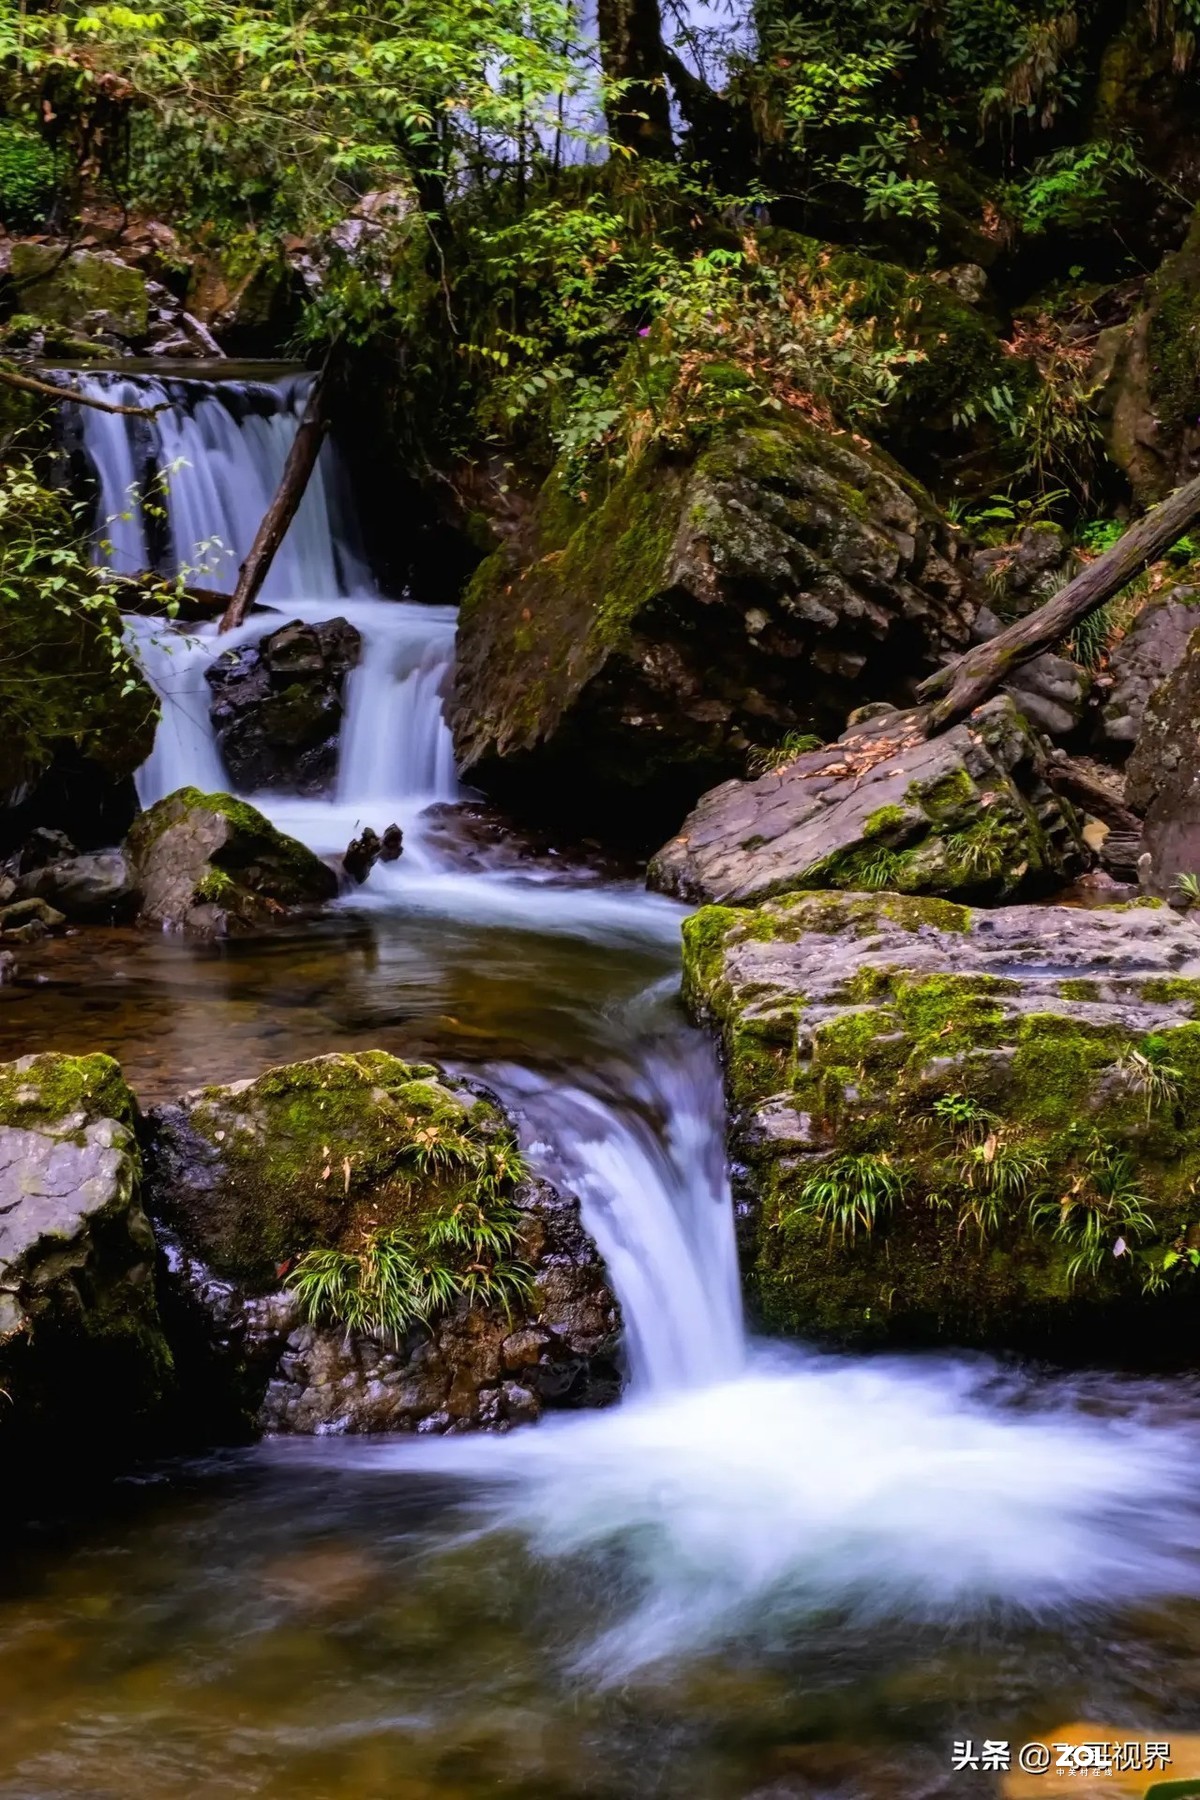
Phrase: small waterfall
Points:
(211, 460)
(186, 492)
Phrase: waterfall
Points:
(185, 492)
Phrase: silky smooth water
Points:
(768, 1572)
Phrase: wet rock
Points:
(214, 865)
(277, 706)
(650, 637)
(966, 812)
(96, 887)
(391, 845)
(24, 921)
(84, 1363)
(1006, 1103)
(362, 853)
(1151, 649)
(89, 290)
(8, 966)
(41, 847)
(247, 1178)
(1162, 777)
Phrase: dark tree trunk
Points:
(968, 680)
(631, 55)
(301, 461)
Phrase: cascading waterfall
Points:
(744, 1488)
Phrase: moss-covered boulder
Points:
(89, 289)
(214, 865)
(959, 1126)
(965, 813)
(329, 1170)
(708, 602)
(84, 1365)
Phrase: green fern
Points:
(849, 1194)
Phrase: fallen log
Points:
(301, 461)
(970, 678)
(1082, 789)
(28, 384)
(155, 594)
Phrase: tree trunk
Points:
(972, 677)
(631, 56)
(27, 384)
(301, 461)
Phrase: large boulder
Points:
(1162, 777)
(963, 813)
(1151, 649)
(84, 1365)
(277, 706)
(214, 865)
(324, 1156)
(631, 656)
(960, 1126)
(89, 290)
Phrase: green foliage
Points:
(849, 1194)
(65, 673)
(467, 1251)
(1076, 188)
(762, 760)
(1101, 1209)
(1148, 1073)
(28, 177)
(1189, 886)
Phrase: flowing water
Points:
(768, 1572)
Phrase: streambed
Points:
(766, 1573)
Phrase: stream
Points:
(769, 1572)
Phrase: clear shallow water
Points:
(768, 1573)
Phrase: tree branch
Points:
(970, 678)
(28, 384)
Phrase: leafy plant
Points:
(1102, 1208)
(1148, 1073)
(1189, 886)
(997, 1176)
(763, 760)
(849, 1194)
(380, 1289)
(962, 1113)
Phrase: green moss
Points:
(38, 1090)
(315, 1154)
(886, 818)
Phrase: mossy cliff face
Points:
(1163, 774)
(90, 289)
(214, 865)
(767, 583)
(84, 1363)
(952, 1126)
(965, 813)
(327, 1155)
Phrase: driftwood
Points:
(28, 384)
(963, 683)
(301, 461)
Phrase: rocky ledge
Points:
(965, 813)
(961, 1126)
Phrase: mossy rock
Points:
(1011, 1079)
(757, 584)
(311, 1155)
(85, 1366)
(84, 287)
(214, 865)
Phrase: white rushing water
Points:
(742, 1487)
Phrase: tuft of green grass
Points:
(1100, 1210)
(849, 1194)
(762, 760)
